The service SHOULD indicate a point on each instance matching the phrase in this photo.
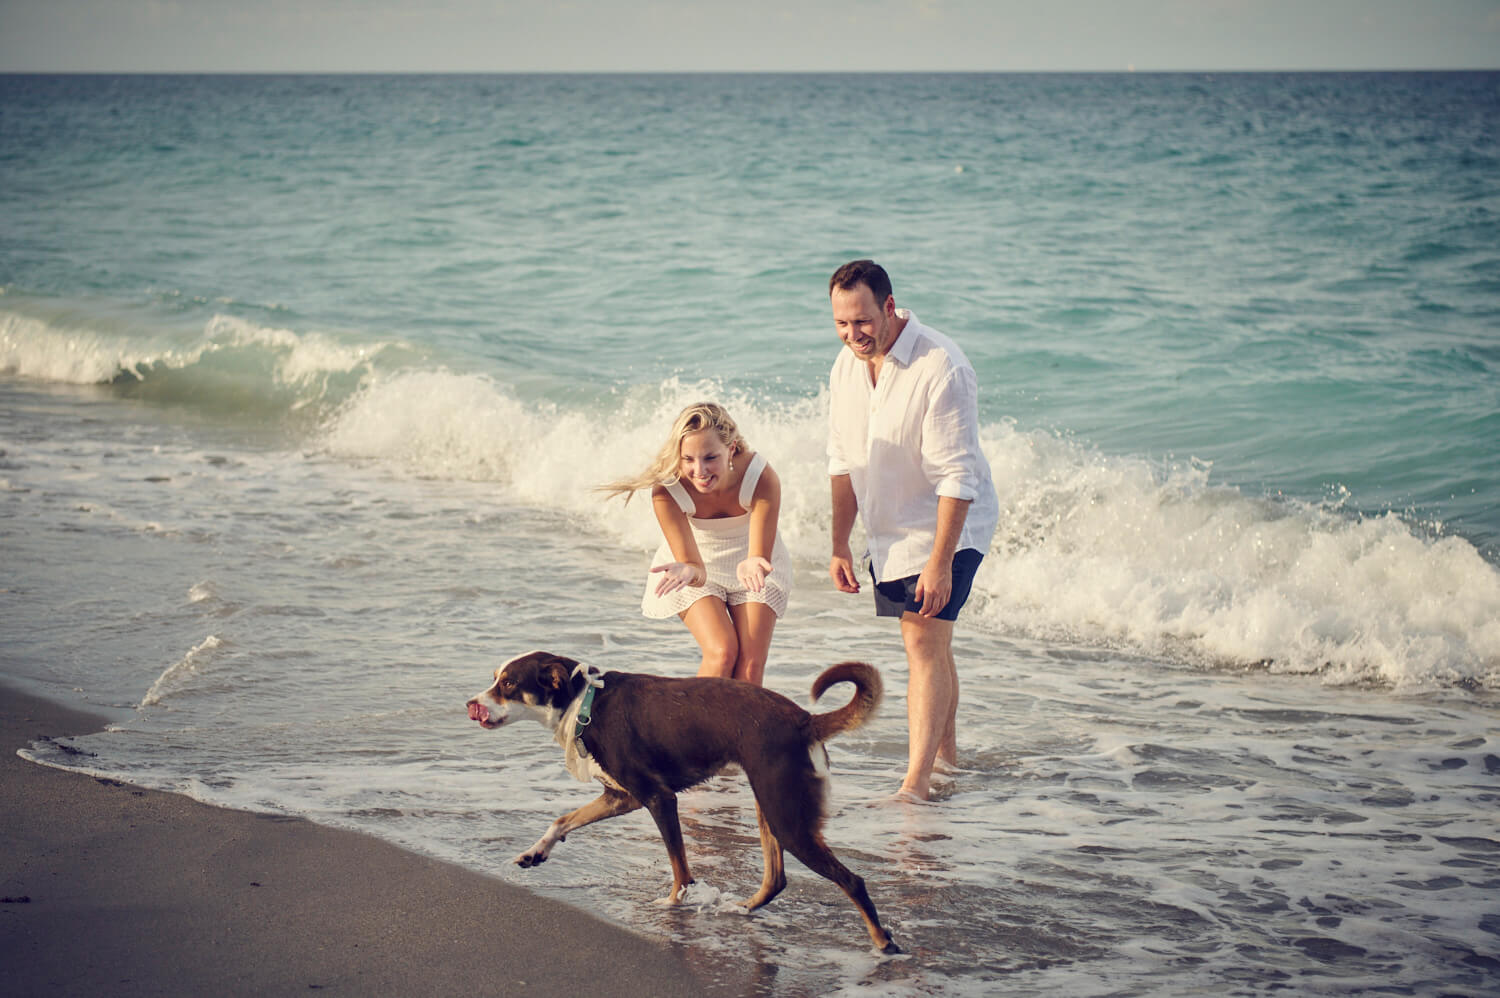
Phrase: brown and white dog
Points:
(647, 737)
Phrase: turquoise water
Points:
(305, 381)
(1292, 277)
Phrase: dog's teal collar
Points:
(585, 711)
(586, 708)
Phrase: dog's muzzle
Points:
(479, 712)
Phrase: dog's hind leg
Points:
(774, 879)
(790, 801)
(609, 804)
(814, 853)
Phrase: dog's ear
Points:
(555, 676)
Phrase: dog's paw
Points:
(529, 859)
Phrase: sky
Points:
(744, 35)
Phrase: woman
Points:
(721, 566)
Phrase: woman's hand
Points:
(677, 575)
(752, 573)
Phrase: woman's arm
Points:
(765, 512)
(688, 568)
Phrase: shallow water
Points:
(289, 633)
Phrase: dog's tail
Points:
(868, 690)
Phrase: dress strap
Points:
(684, 501)
(751, 479)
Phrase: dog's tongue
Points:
(478, 713)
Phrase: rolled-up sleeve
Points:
(950, 437)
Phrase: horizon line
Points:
(1127, 71)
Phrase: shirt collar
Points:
(906, 344)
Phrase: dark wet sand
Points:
(109, 889)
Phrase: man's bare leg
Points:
(931, 699)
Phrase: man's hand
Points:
(841, 570)
(934, 586)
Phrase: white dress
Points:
(723, 542)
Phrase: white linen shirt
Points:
(905, 441)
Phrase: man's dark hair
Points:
(867, 272)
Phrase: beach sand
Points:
(112, 889)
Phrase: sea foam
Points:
(39, 350)
(1115, 551)
(294, 368)
(179, 672)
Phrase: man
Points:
(903, 453)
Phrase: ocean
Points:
(306, 382)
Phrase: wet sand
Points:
(107, 888)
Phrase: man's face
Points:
(866, 326)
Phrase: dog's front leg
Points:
(663, 808)
(609, 804)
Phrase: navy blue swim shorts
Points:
(896, 597)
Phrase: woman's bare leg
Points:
(709, 622)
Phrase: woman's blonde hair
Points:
(663, 470)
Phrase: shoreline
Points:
(109, 888)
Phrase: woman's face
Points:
(704, 461)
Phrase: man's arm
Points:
(935, 584)
(951, 455)
(845, 508)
